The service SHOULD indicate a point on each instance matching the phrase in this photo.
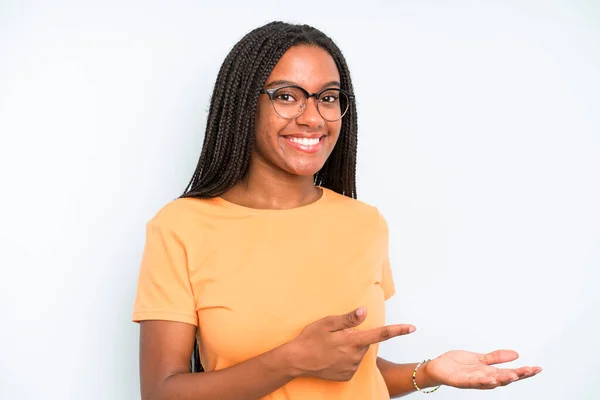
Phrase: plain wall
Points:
(479, 141)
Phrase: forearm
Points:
(251, 379)
(398, 377)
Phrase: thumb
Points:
(349, 320)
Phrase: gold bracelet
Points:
(414, 379)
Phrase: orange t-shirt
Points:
(252, 279)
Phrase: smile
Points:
(304, 141)
(306, 145)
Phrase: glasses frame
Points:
(271, 94)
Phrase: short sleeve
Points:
(164, 291)
(387, 279)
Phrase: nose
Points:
(310, 116)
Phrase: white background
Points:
(479, 141)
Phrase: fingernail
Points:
(360, 312)
(412, 329)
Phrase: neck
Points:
(266, 188)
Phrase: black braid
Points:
(230, 128)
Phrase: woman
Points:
(268, 259)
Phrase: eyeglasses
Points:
(290, 101)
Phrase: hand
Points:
(332, 349)
(466, 370)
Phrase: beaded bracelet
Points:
(414, 379)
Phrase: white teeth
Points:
(304, 141)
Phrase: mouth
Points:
(305, 144)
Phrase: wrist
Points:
(288, 355)
(424, 378)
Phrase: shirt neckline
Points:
(269, 211)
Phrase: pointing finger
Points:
(383, 333)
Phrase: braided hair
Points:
(230, 130)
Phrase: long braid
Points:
(230, 129)
(252, 84)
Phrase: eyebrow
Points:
(283, 82)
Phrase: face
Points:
(297, 146)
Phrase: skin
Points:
(281, 177)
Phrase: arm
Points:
(398, 377)
(457, 368)
(326, 349)
(165, 349)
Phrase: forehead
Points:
(308, 66)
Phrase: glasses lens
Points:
(289, 102)
(333, 104)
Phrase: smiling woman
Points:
(267, 265)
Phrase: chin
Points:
(305, 170)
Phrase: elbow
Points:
(158, 391)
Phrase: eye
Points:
(330, 97)
(286, 97)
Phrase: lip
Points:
(305, 135)
(309, 149)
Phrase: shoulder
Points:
(356, 208)
(181, 214)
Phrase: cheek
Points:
(334, 129)
(267, 129)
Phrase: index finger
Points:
(382, 333)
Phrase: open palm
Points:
(464, 369)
